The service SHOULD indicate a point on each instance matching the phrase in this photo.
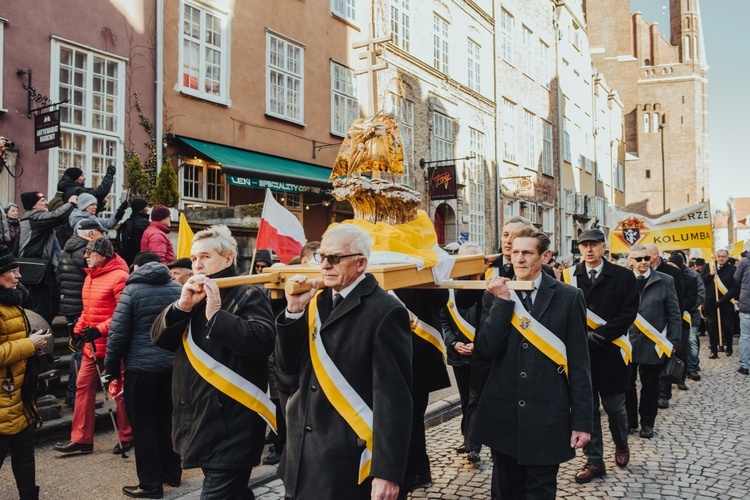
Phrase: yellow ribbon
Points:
(340, 393)
(662, 345)
(687, 319)
(539, 335)
(720, 285)
(466, 328)
(228, 381)
(424, 330)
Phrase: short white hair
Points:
(220, 237)
(359, 241)
(469, 248)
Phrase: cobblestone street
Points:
(700, 450)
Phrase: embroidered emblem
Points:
(315, 333)
(525, 322)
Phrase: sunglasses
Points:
(645, 257)
(332, 259)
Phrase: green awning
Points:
(250, 164)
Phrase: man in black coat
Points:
(73, 180)
(723, 273)
(536, 407)
(219, 430)
(355, 337)
(131, 230)
(611, 293)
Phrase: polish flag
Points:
(279, 230)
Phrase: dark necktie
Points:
(641, 282)
(337, 298)
(592, 275)
(527, 303)
(506, 267)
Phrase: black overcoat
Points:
(660, 308)
(615, 298)
(528, 408)
(369, 340)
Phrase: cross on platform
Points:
(373, 50)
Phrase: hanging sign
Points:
(443, 182)
(47, 130)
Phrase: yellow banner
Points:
(737, 249)
(684, 229)
(184, 238)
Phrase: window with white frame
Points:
(529, 139)
(204, 47)
(284, 79)
(477, 148)
(511, 209)
(202, 184)
(530, 212)
(473, 60)
(548, 221)
(545, 64)
(400, 23)
(547, 154)
(507, 32)
(570, 201)
(344, 105)
(509, 130)
(601, 211)
(345, 9)
(620, 176)
(588, 165)
(91, 122)
(440, 43)
(403, 108)
(566, 140)
(442, 137)
(528, 52)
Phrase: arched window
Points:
(647, 62)
(695, 47)
(646, 123)
(687, 44)
(687, 23)
(656, 122)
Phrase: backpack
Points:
(40, 368)
(128, 247)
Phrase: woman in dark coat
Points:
(233, 327)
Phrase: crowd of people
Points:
(341, 373)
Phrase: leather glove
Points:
(91, 334)
(121, 210)
(595, 341)
(74, 343)
(111, 170)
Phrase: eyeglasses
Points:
(645, 257)
(332, 259)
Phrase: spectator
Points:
(38, 240)
(148, 383)
(181, 270)
(73, 180)
(131, 231)
(71, 274)
(105, 280)
(17, 344)
(86, 210)
(306, 256)
(262, 261)
(14, 228)
(156, 236)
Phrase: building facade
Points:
(663, 85)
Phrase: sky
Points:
(724, 22)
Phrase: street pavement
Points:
(700, 451)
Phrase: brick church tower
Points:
(664, 87)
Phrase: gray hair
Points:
(515, 219)
(221, 238)
(624, 262)
(359, 241)
(637, 248)
(466, 249)
(722, 250)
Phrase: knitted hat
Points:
(7, 261)
(160, 212)
(263, 256)
(86, 199)
(138, 204)
(90, 224)
(102, 246)
(73, 173)
(29, 199)
(184, 262)
(144, 258)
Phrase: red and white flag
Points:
(279, 230)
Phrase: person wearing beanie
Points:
(17, 344)
(156, 236)
(181, 270)
(70, 277)
(106, 276)
(72, 183)
(131, 231)
(38, 240)
(86, 210)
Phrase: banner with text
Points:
(683, 229)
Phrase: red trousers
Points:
(84, 412)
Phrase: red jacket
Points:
(101, 290)
(156, 239)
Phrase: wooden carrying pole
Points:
(295, 288)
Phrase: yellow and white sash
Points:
(492, 272)
(466, 328)
(720, 284)
(228, 381)
(340, 393)
(594, 321)
(424, 330)
(662, 345)
(687, 319)
(538, 334)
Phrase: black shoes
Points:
(73, 447)
(681, 386)
(743, 371)
(693, 375)
(474, 457)
(138, 492)
(418, 481)
(647, 432)
(713, 355)
(721, 348)
(461, 449)
(272, 458)
(126, 446)
(729, 351)
(663, 403)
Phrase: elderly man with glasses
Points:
(345, 352)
